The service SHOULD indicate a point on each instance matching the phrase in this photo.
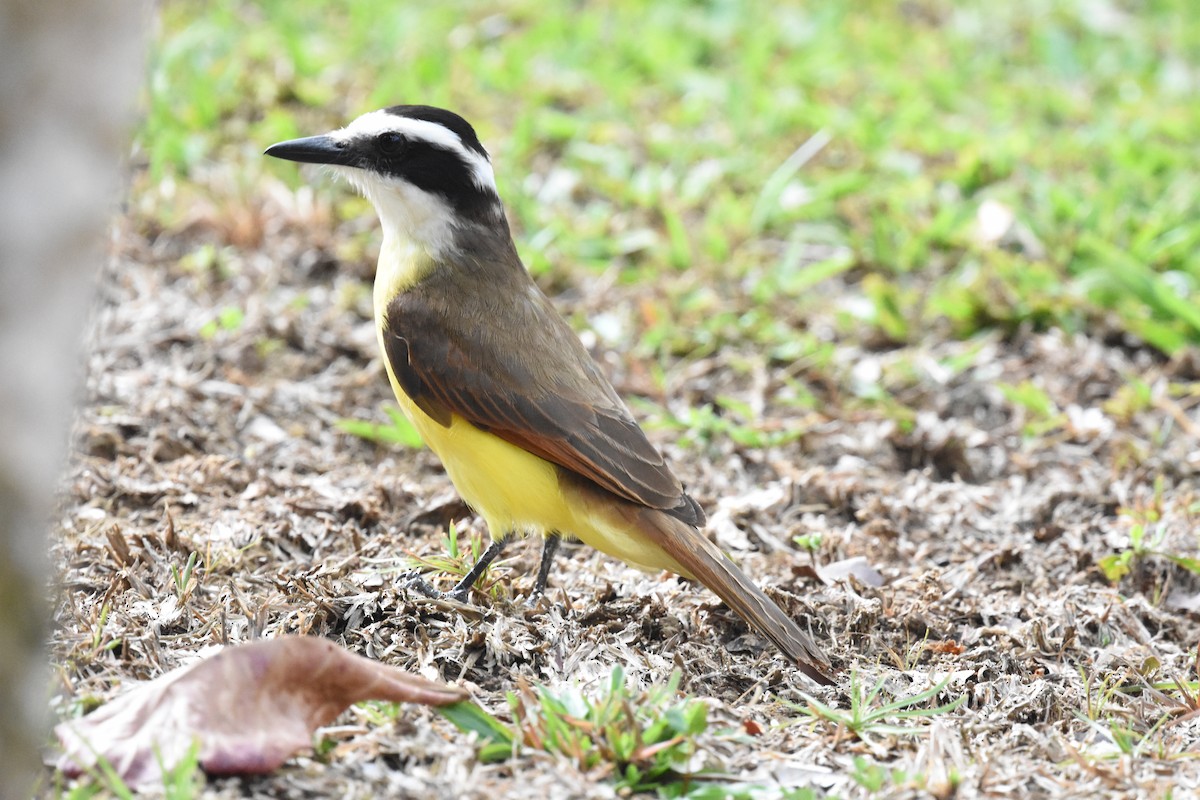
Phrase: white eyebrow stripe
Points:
(376, 122)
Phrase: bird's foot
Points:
(535, 599)
(459, 594)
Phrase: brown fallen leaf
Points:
(250, 707)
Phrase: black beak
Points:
(315, 150)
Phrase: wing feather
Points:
(560, 408)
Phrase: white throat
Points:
(411, 218)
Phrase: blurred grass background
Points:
(937, 168)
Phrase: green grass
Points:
(743, 142)
(228, 319)
(1129, 718)
(457, 561)
(398, 430)
(642, 741)
(1147, 533)
(869, 716)
(182, 781)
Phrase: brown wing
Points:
(521, 373)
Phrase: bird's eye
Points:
(390, 143)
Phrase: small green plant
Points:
(84, 790)
(378, 713)
(1134, 743)
(182, 578)
(1131, 399)
(864, 718)
(876, 777)
(323, 748)
(229, 318)
(98, 644)
(397, 431)
(1133, 739)
(730, 419)
(1146, 536)
(498, 741)
(644, 740)
(809, 541)
(911, 655)
(103, 777)
(208, 259)
(1169, 318)
(1041, 413)
(1134, 730)
(184, 780)
(888, 304)
(1099, 694)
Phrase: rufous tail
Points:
(711, 567)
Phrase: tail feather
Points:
(707, 564)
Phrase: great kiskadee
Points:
(529, 430)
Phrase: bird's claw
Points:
(415, 582)
(533, 601)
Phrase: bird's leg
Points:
(462, 589)
(549, 548)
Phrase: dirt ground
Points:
(986, 525)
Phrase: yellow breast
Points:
(513, 489)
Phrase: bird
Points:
(529, 430)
